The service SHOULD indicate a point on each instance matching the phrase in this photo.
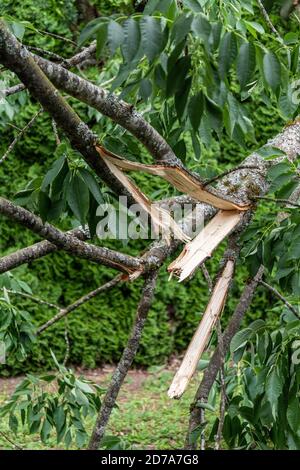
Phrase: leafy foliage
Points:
(57, 402)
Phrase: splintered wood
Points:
(180, 178)
(161, 218)
(202, 246)
(200, 339)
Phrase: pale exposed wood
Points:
(196, 251)
(178, 177)
(203, 332)
(159, 216)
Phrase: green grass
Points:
(145, 417)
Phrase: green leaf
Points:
(201, 27)
(254, 28)
(54, 171)
(92, 184)
(145, 89)
(91, 29)
(132, 39)
(194, 5)
(181, 97)
(177, 75)
(293, 413)
(227, 53)
(44, 205)
(181, 28)
(101, 39)
(78, 198)
(240, 339)
(152, 37)
(245, 64)
(272, 71)
(195, 110)
(45, 431)
(115, 36)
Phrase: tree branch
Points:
(68, 242)
(280, 297)
(20, 135)
(125, 361)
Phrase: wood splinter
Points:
(180, 178)
(202, 246)
(200, 339)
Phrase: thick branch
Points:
(67, 241)
(125, 361)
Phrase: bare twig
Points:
(57, 36)
(278, 201)
(51, 55)
(55, 131)
(65, 311)
(67, 342)
(283, 299)
(214, 365)
(125, 361)
(20, 135)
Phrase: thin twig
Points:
(55, 131)
(67, 341)
(126, 360)
(228, 172)
(65, 311)
(51, 55)
(34, 299)
(268, 20)
(20, 135)
(57, 36)
(283, 299)
(279, 201)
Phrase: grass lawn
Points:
(145, 418)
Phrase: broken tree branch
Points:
(201, 248)
(203, 332)
(125, 362)
(213, 367)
